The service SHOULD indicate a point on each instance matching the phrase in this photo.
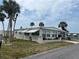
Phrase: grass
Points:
(22, 48)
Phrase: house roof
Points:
(53, 28)
(30, 31)
(34, 29)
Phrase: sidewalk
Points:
(74, 42)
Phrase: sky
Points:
(51, 12)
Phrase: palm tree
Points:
(11, 8)
(63, 25)
(2, 17)
(32, 24)
(41, 24)
(21, 27)
(14, 24)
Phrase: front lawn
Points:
(22, 48)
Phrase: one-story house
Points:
(40, 34)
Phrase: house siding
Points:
(49, 34)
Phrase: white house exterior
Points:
(39, 34)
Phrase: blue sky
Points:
(51, 12)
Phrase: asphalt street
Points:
(70, 52)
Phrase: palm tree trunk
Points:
(10, 30)
(7, 34)
(3, 29)
(14, 29)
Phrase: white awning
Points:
(30, 31)
(24, 31)
(20, 31)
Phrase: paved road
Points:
(71, 52)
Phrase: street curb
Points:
(74, 42)
(46, 52)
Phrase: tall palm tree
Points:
(11, 8)
(41, 24)
(2, 17)
(63, 25)
(32, 24)
(14, 24)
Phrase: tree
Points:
(2, 17)
(32, 24)
(14, 24)
(11, 8)
(41, 24)
(21, 27)
(63, 25)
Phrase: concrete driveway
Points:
(70, 52)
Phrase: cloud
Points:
(48, 9)
(51, 12)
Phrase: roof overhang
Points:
(29, 31)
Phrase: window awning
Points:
(20, 31)
(24, 31)
(30, 31)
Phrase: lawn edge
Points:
(46, 52)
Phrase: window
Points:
(36, 33)
(48, 35)
(20, 33)
(55, 35)
(44, 35)
(52, 35)
(26, 33)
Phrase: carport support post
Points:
(57, 34)
(60, 38)
(40, 39)
(30, 36)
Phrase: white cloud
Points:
(47, 11)
(49, 8)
